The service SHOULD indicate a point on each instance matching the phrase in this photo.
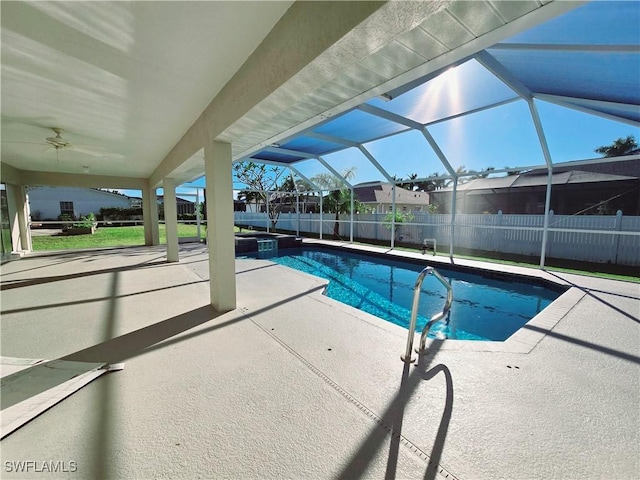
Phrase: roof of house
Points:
(178, 199)
(629, 168)
(382, 193)
(530, 179)
(84, 189)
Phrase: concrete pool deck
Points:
(292, 384)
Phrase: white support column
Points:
(220, 238)
(393, 216)
(547, 157)
(351, 217)
(454, 206)
(198, 215)
(298, 214)
(268, 206)
(171, 219)
(19, 218)
(150, 216)
(321, 218)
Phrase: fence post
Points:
(552, 236)
(500, 232)
(617, 227)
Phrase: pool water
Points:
(482, 309)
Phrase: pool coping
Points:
(523, 341)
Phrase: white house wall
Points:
(46, 201)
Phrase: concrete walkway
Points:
(295, 385)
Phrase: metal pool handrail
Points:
(414, 313)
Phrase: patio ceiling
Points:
(133, 84)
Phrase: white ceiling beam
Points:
(375, 163)
(335, 172)
(305, 178)
(392, 117)
(266, 162)
(332, 139)
(438, 151)
(558, 47)
(566, 102)
(475, 110)
(31, 177)
(286, 151)
(489, 62)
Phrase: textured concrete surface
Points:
(295, 385)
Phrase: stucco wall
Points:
(46, 200)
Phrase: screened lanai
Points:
(530, 108)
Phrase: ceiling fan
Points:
(59, 143)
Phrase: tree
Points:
(433, 183)
(398, 220)
(427, 185)
(339, 199)
(461, 170)
(619, 147)
(410, 184)
(249, 196)
(484, 173)
(261, 180)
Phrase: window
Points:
(66, 208)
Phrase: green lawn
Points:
(108, 237)
(613, 276)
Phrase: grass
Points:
(108, 237)
(612, 276)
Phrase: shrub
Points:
(86, 221)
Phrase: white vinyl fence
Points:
(611, 239)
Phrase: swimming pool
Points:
(483, 308)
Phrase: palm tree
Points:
(339, 199)
(620, 146)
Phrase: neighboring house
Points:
(48, 203)
(308, 203)
(591, 190)
(184, 207)
(380, 198)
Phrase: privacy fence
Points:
(613, 239)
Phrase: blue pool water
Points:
(483, 308)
